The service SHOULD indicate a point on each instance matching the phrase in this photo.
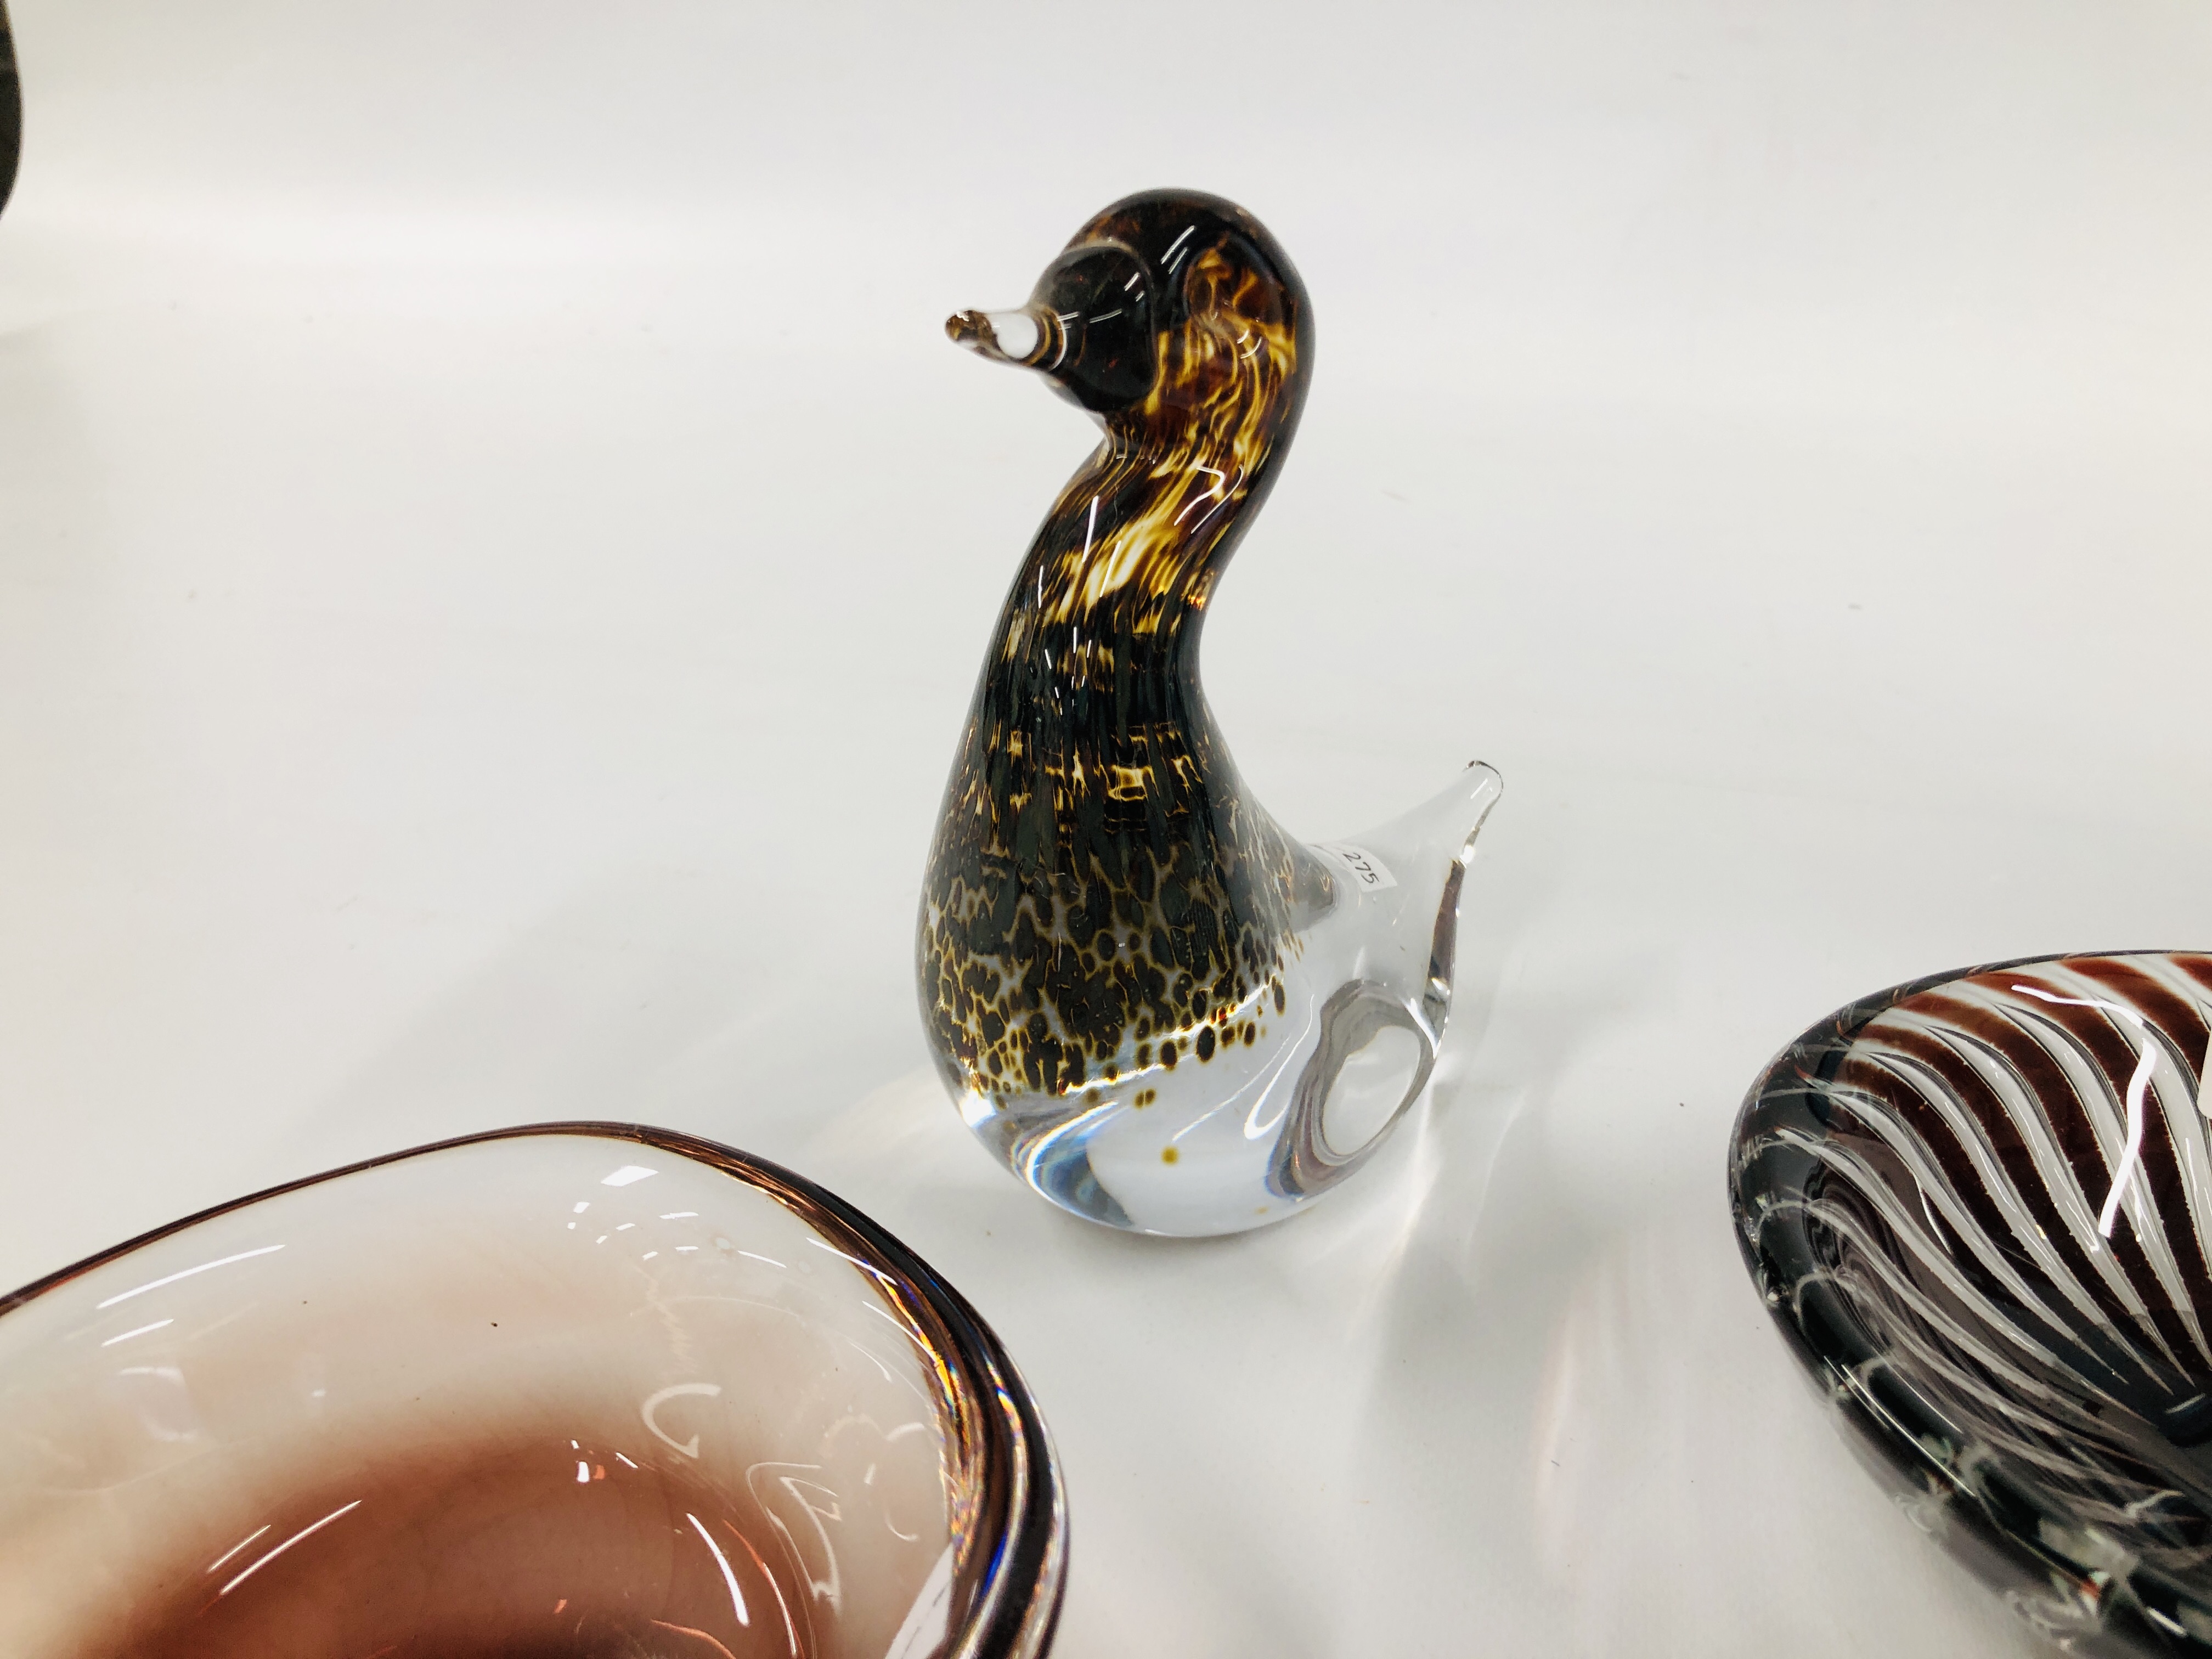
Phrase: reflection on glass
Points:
(2145, 1063)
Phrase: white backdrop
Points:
(495, 550)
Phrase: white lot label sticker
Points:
(1369, 874)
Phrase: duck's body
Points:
(1143, 992)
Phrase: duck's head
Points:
(1167, 307)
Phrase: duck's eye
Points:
(1102, 298)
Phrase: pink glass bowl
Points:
(573, 1391)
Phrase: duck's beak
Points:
(1024, 337)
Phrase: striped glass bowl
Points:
(1977, 1205)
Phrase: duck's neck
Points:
(1091, 709)
(1099, 636)
(1097, 855)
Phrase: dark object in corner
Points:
(12, 109)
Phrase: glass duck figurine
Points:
(1161, 1010)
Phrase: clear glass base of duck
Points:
(1241, 1117)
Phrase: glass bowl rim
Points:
(1009, 1584)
